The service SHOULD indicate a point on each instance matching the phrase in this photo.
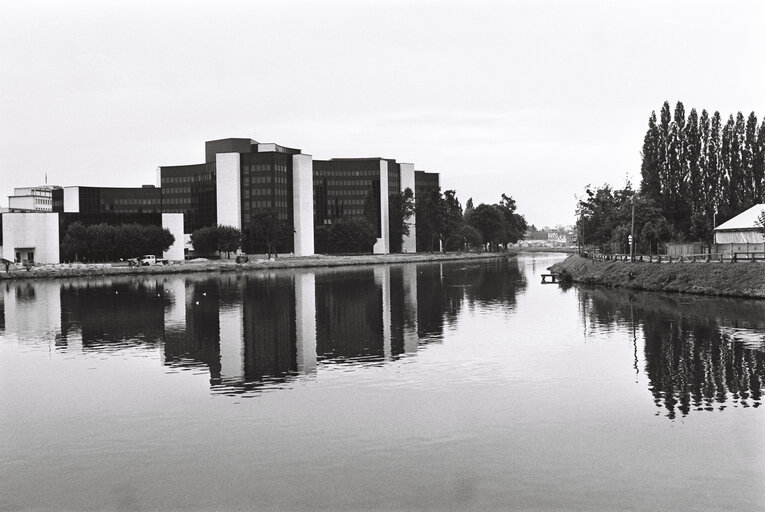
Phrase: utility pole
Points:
(632, 236)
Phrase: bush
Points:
(346, 235)
(106, 242)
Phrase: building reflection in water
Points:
(701, 354)
(260, 330)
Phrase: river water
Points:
(454, 386)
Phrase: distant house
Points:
(742, 228)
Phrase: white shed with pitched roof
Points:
(744, 228)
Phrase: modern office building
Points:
(361, 187)
(239, 179)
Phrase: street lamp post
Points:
(632, 235)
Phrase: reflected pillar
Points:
(382, 279)
(231, 343)
(38, 310)
(410, 309)
(305, 322)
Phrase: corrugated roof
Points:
(744, 220)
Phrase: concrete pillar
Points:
(71, 199)
(383, 243)
(407, 181)
(228, 189)
(302, 201)
(174, 223)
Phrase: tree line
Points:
(700, 170)
(106, 242)
(696, 173)
(441, 224)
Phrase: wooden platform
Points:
(553, 278)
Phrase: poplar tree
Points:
(747, 158)
(758, 164)
(650, 170)
(736, 163)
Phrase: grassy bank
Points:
(723, 279)
(56, 271)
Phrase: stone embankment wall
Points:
(742, 279)
(103, 269)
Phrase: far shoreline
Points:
(229, 265)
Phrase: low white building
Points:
(743, 228)
(35, 236)
(33, 199)
(742, 233)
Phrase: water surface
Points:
(465, 385)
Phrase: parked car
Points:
(150, 260)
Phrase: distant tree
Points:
(351, 235)
(229, 239)
(74, 246)
(430, 220)
(205, 240)
(470, 237)
(401, 209)
(488, 220)
(652, 160)
(269, 230)
(106, 242)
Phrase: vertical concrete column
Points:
(71, 199)
(158, 177)
(302, 203)
(305, 322)
(228, 194)
(174, 223)
(383, 243)
(409, 243)
(382, 279)
(232, 343)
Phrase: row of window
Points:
(335, 173)
(265, 167)
(348, 183)
(186, 179)
(263, 192)
(265, 204)
(265, 179)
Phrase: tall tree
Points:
(650, 169)
(401, 209)
(758, 164)
(748, 152)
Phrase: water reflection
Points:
(261, 330)
(701, 353)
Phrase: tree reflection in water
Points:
(701, 353)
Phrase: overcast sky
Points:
(534, 99)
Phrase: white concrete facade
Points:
(409, 242)
(228, 193)
(71, 199)
(35, 233)
(382, 246)
(302, 204)
(173, 222)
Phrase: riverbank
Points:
(85, 270)
(721, 279)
